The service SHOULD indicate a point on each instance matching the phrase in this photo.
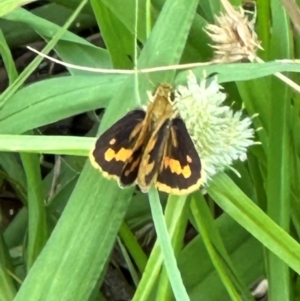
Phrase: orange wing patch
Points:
(180, 171)
(122, 155)
(114, 148)
(176, 167)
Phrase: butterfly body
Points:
(150, 147)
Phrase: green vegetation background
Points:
(66, 244)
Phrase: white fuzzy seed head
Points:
(220, 135)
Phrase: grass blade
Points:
(37, 225)
(232, 200)
(166, 247)
(28, 70)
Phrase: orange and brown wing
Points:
(180, 170)
(116, 147)
(153, 154)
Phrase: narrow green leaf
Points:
(58, 145)
(13, 172)
(8, 5)
(174, 220)
(7, 59)
(126, 14)
(119, 41)
(278, 187)
(28, 70)
(176, 213)
(176, 27)
(51, 100)
(214, 245)
(135, 250)
(71, 48)
(245, 212)
(7, 288)
(264, 21)
(150, 274)
(15, 233)
(244, 250)
(166, 247)
(37, 225)
(129, 263)
(45, 102)
(239, 71)
(278, 174)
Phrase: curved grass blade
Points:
(232, 200)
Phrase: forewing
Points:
(153, 155)
(180, 171)
(115, 146)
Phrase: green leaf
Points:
(8, 5)
(7, 59)
(58, 145)
(28, 70)
(216, 250)
(50, 100)
(245, 212)
(83, 232)
(7, 288)
(119, 41)
(13, 172)
(245, 252)
(37, 226)
(278, 176)
(166, 247)
(176, 222)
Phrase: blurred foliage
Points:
(61, 219)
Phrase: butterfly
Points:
(150, 147)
